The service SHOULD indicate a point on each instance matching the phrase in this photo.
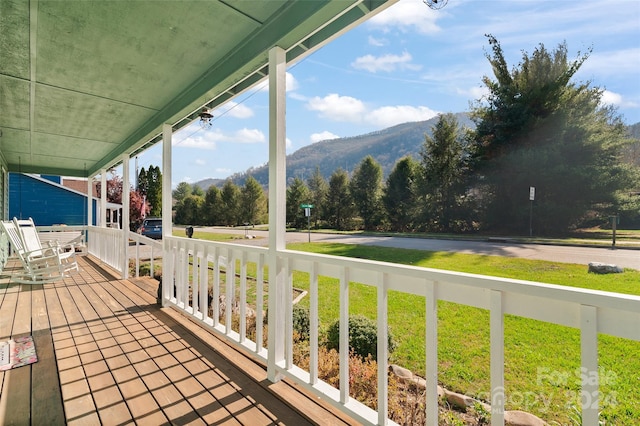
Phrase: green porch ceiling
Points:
(83, 82)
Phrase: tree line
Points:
(535, 128)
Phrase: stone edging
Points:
(462, 402)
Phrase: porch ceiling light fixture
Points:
(436, 4)
(205, 118)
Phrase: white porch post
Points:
(277, 212)
(103, 198)
(89, 200)
(167, 225)
(126, 188)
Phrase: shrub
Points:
(301, 322)
(363, 337)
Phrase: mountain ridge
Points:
(386, 146)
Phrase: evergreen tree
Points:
(339, 202)
(253, 203)
(297, 194)
(189, 211)
(444, 168)
(150, 186)
(366, 191)
(231, 203)
(319, 188)
(213, 206)
(537, 129)
(401, 193)
(182, 191)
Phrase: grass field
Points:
(542, 360)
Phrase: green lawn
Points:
(541, 360)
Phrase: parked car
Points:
(152, 228)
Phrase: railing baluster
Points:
(243, 297)
(383, 347)
(259, 301)
(344, 336)
(589, 364)
(288, 319)
(497, 358)
(216, 287)
(204, 283)
(431, 352)
(313, 332)
(195, 284)
(230, 293)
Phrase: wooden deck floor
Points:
(107, 354)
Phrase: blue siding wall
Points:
(46, 204)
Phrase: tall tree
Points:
(366, 191)
(150, 187)
(253, 203)
(339, 201)
(400, 194)
(182, 191)
(319, 188)
(231, 201)
(297, 193)
(444, 168)
(189, 211)
(537, 129)
(196, 190)
(213, 206)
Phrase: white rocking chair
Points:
(41, 264)
(31, 241)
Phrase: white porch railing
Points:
(145, 249)
(106, 244)
(196, 278)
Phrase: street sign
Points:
(532, 193)
(307, 211)
(306, 206)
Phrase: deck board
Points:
(107, 354)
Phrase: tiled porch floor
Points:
(107, 354)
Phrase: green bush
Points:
(363, 337)
(301, 323)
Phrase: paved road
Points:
(626, 258)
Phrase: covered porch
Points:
(93, 83)
(108, 354)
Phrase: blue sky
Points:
(410, 63)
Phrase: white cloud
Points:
(287, 143)
(377, 42)
(323, 136)
(298, 97)
(391, 115)
(613, 63)
(407, 15)
(209, 140)
(200, 162)
(249, 136)
(187, 179)
(615, 99)
(206, 140)
(338, 108)
(386, 63)
(291, 83)
(234, 109)
(474, 93)
(347, 109)
(222, 170)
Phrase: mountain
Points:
(385, 146)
